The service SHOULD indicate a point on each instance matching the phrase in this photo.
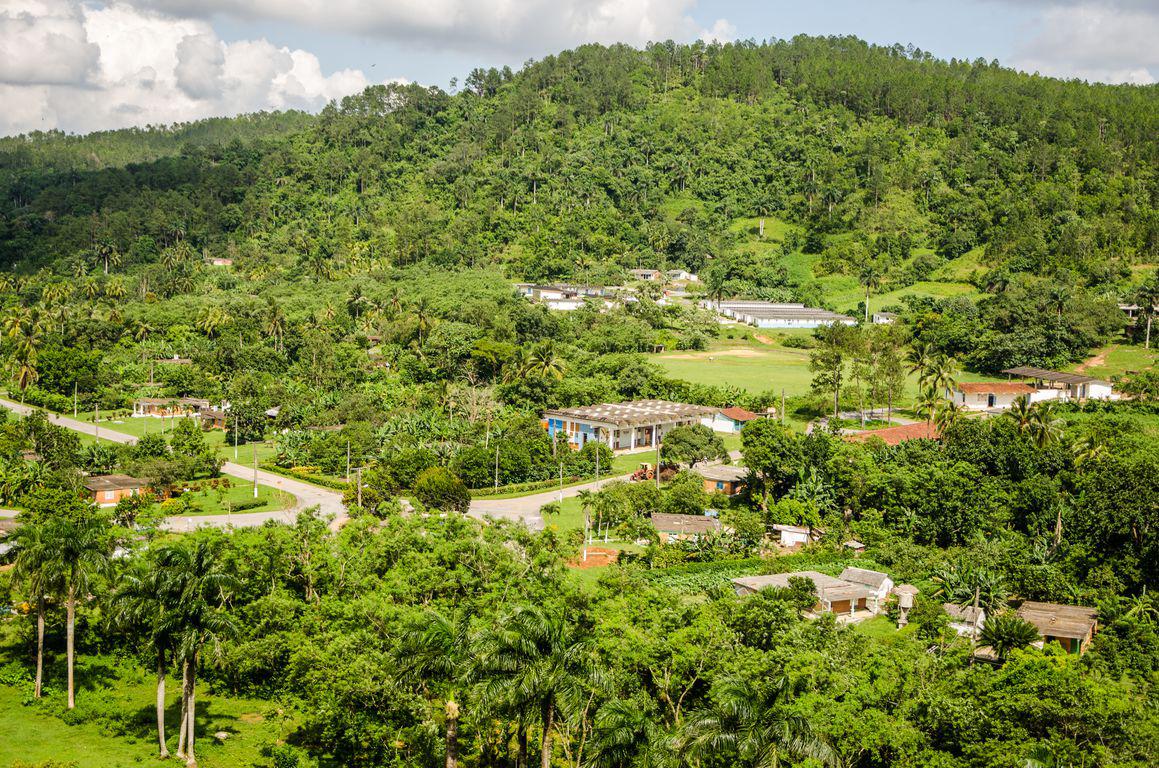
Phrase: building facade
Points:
(621, 426)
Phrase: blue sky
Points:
(81, 65)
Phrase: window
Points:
(108, 495)
(720, 485)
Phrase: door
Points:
(991, 401)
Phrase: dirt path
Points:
(1098, 361)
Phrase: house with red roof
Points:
(989, 395)
(731, 419)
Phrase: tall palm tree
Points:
(144, 599)
(535, 660)
(626, 733)
(918, 361)
(76, 551)
(752, 724)
(927, 404)
(942, 374)
(108, 254)
(422, 310)
(36, 567)
(275, 324)
(870, 277)
(947, 415)
(441, 649)
(212, 319)
(198, 583)
(1004, 632)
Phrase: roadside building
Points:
(730, 420)
(884, 318)
(880, 583)
(622, 426)
(214, 417)
(676, 527)
(849, 599)
(989, 395)
(107, 490)
(728, 479)
(162, 407)
(855, 547)
(1071, 626)
(682, 276)
(920, 430)
(1062, 386)
(966, 621)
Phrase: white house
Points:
(622, 426)
(1062, 386)
(793, 535)
(729, 420)
(646, 275)
(990, 395)
(879, 583)
(682, 276)
(884, 318)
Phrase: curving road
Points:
(305, 495)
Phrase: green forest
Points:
(345, 282)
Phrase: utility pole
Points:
(74, 400)
(597, 465)
(656, 435)
(496, 469)
(255, 445)
(974, 625)
(235, 438)
(348, 461)
(97, 421)
(360, 487)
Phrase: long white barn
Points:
(767, 314)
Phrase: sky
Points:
(85, 65)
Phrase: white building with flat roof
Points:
(622, 426)
(767, 314)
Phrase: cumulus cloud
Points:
(722, 31)
(1110, 41)
(115, 66)
(44, 42)
(511, 26)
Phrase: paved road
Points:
(305, 494)
(526, 508)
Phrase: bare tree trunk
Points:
(452, 734)
(184, 717)
(545, 745)
(39, 645)
(191, 723)
(521, 755)
(164, 753)
(70, 634)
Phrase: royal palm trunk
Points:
(70, 645)
(39, 645)
(164, 753)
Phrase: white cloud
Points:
(1110, 41)
(44, 42)
(123, 66)
(512, 26)
(722, 31)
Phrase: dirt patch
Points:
(251, 718)
(765, 339)
(739, 352)
(597, 557)
(1098, 361)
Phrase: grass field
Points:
(220, 501)
(114, 724)
(1118, 359)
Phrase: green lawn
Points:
(220, 501)
(1118, 359)
(753, 367)
(114, 724)
(216, 438)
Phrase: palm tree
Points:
(947, 415)
(963, 583)
(198, 584)
(440, 650)
(546, 362)
(752, 724)
(1045, 427)
(107, 252)
(275, 325)
(927, 404)
(1022, 412)
(36, 567)
(535, 660)
(870, 277)
(518, 366)
(75, 550)
(145, 600)
(942, 373)
(212, 319)
(1005, 632)
(422, 312)
(918, 361)
(625, 733)
(115, 289)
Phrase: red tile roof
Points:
(894, 435)
(736, 413)
(995, 388)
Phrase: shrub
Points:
(439, 488)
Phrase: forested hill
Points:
(603, 158)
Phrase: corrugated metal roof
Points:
(1047, 375)
(634, 413)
